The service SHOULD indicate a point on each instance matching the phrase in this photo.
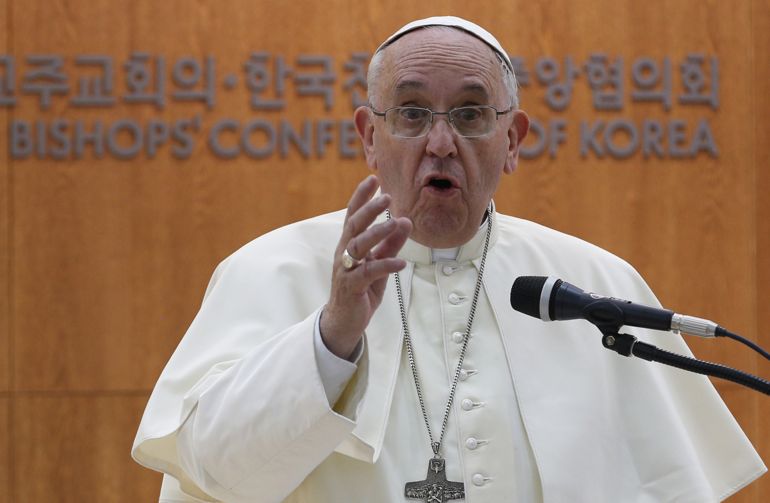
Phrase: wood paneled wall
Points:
(757, 409)
(6, 347)
(103, 262)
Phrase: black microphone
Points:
(551, 299)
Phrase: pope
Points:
(370, 355)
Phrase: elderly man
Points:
(371, 355)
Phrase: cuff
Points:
(335, 371)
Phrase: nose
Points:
(441, 138)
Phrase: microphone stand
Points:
(627, 345)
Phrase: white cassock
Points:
(543, 412)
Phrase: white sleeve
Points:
(259, 426)
(335, 371)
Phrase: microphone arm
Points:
(549, 299)
(627, 345)
(608, 318)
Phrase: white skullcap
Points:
(456, 22)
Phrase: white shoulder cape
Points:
(600, 425)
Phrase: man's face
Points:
(442, 181)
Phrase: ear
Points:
(365, 128)
(516, 134)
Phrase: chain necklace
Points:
(436, 488)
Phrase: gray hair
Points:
(375, 72)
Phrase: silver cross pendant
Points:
(435, 488)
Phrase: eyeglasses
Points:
(414, 122)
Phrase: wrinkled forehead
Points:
(445, 58)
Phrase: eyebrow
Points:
(409, 85)
(477, 88)
(415, 85)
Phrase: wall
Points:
(104, 260)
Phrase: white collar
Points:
(472, 250)
(444, 254)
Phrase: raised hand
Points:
(357, 291)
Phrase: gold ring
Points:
(348, 262)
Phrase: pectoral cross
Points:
(435, 488)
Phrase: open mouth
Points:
(440, 183)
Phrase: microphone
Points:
(551, 299)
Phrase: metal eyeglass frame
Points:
(448, 113)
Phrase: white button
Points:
(467, 404)
(471, 443)
(458, 337)
(478, 479)
(447, 270)
(454, 298)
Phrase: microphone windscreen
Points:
(525, 294)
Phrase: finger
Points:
(394, 241)
(361, 195)
(360, 245)
(362, 277)
(363, 218)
